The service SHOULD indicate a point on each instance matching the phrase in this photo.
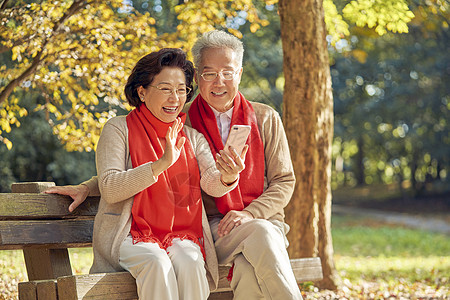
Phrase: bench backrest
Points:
(43, 220)
(42, 226)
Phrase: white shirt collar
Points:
(229, 112)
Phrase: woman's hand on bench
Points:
(77, 192)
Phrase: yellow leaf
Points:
(8, 143)
(360, 55)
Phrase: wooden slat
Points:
(38, 290)
(119, 285)
(48, 233)
(46, 290)
(40, 206)
(221, 296)
(31, 187)
(27, 290)
(307, 269)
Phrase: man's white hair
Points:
(217, 39)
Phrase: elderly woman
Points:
(150, 171)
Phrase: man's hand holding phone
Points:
(230, 160)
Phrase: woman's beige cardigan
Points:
(119, 182)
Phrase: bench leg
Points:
(47, 263)
(43, 263)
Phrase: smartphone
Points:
(237, 138)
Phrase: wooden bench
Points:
(42, 227)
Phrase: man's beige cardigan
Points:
(118, 182)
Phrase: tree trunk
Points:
(308, 120)
(359, 162)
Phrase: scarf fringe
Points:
(168, 241)
(147, 239)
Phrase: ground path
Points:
(440, 225)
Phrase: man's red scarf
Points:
(251, 182)
(171, 207)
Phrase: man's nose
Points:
(219, 79)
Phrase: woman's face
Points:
(165, 107)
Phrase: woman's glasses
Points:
(167, 89)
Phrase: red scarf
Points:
(251, 182)
(171, 207)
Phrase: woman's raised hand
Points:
(172, 149)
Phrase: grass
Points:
(377, 261)
(374, 261)
(357, 236)
(369, 249)
(412, 269)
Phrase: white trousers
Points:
(262, 269)
(176, 274)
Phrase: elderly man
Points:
(248, 223)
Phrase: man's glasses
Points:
(167, 89)
(226, 75)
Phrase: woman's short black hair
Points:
(151, 65)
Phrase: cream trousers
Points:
(262, 269)
(176, 274)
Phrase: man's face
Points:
(219, 93)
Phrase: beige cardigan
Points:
(118, 182)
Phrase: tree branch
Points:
(17, 81)
(74, 8)
(3, 4)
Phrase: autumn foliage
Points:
(77, 54)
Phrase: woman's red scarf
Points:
(251, 182)
(171, 207)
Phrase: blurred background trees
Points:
(392, 105)
(391, 92)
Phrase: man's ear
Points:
(240, 75)
(196, 75)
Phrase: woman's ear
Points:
(141, 93)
